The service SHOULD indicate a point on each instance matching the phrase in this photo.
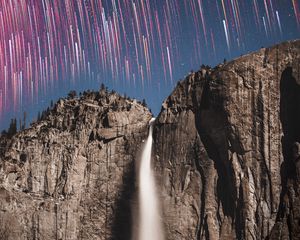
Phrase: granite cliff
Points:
(226, 156)
(71, 175)
(226, 151)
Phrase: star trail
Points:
(135, 46)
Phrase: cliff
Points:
(226, 151)
(226, 157)
(71, 175)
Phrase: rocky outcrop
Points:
(71, 175)
(224, 144)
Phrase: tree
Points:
(102, 87)
(20, 124)
(72, 94)
(24, 120)
(144, 103)
(12, 127)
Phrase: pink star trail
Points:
(49, 42)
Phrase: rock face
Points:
(226, 156)
(71, 175)
(227, 149)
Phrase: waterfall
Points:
(150, 226)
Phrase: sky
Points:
(140, 48)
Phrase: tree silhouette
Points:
(12, 127)
(144, 103)
(72, 94)
(24, 120)
(102, 87)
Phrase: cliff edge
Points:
(227, 149)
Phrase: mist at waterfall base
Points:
(148, 223)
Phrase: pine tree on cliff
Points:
(12, 127)
(144, 103)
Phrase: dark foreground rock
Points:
(226, 151)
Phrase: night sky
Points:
(138, 47)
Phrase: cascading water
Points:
(150, 226)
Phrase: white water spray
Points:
(150, 226)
